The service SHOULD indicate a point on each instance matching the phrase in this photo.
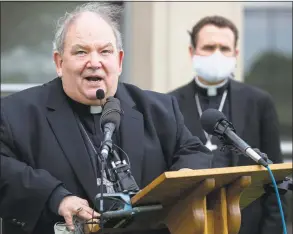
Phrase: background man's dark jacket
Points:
(254, 117)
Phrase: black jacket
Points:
(42, 147)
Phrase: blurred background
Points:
(156, 47)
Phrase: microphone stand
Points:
(119, 174)
(103, 162)
(103, 157)
(117, 171)
(125, 188)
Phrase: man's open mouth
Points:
(94, 78)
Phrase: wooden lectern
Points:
(204, 201)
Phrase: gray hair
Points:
(108, 12)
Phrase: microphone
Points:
(215, 123)
(100, 94)
(110, 121)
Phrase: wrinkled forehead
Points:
(90, 29)
(213, 35)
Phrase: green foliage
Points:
(272, 71)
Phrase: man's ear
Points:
(58, 63)
(191, 51)
(120, 60)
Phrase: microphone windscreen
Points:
(100, 94)
(111, 112)
(210, 118)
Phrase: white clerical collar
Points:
(211, 89)
(96, 109)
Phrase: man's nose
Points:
(217, 50)
(95, 61)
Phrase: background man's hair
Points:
(107, 11)
(218, 21)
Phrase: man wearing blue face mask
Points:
(213, 52)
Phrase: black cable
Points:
(123, 153)
(102, 195)
(118, 181)
(115, 199)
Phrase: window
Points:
(268, 60)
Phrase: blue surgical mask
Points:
(214, 68)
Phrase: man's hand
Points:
(72, 205)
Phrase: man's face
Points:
(90, 60)
(211, 38)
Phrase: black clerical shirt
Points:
(221, 159)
